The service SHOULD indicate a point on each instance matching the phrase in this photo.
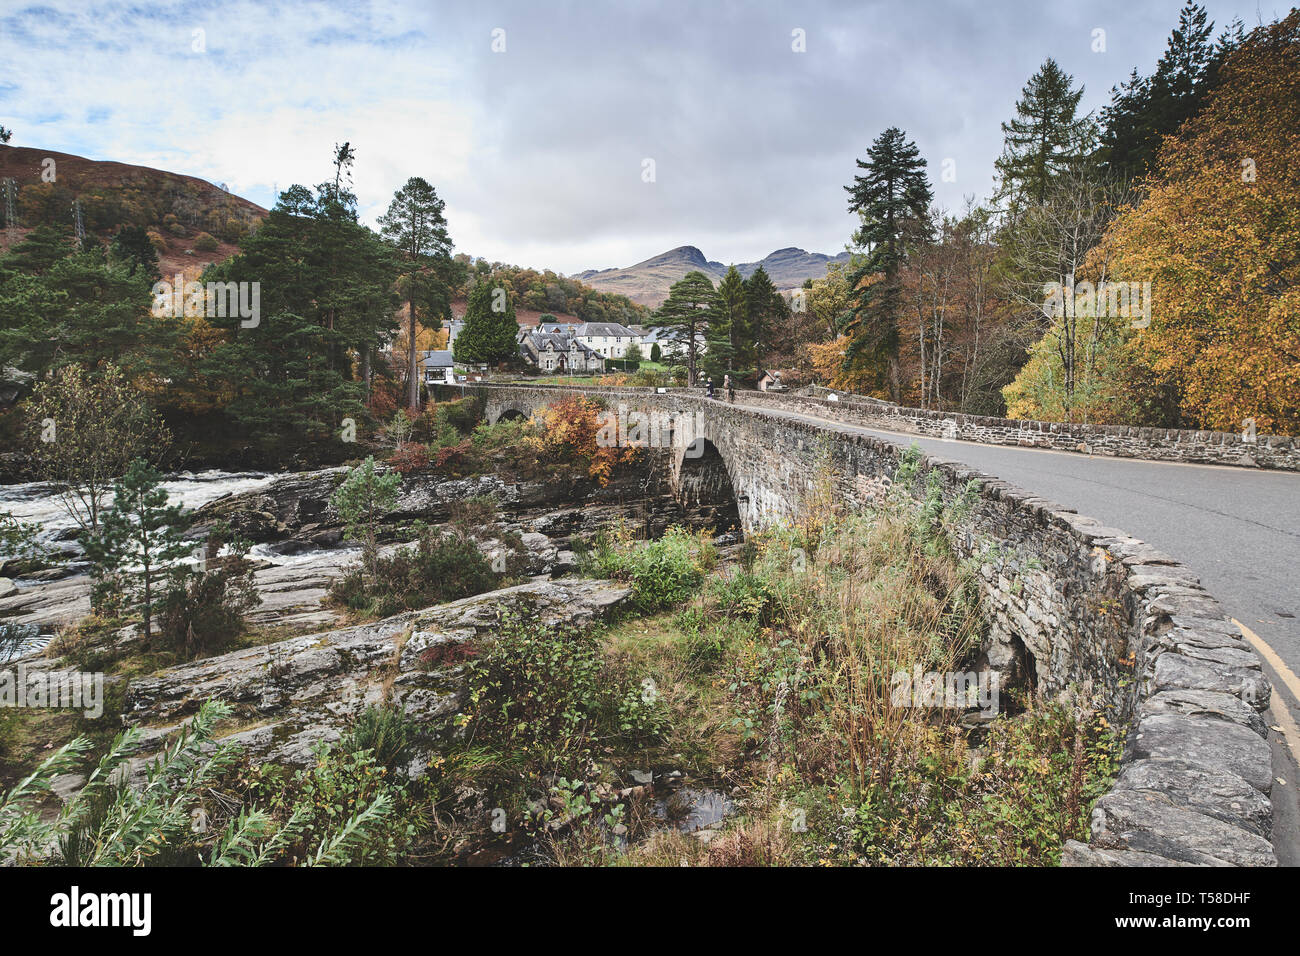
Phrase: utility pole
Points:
(11, 217)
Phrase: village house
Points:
(607, 338)
(560, 352)
(439, 369)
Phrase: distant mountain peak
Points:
(647, 282)
(692, 252)
(688, 254)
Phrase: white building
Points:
(438, 368)
(453, 330)
(607, 338)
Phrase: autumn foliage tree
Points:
(1217, 236)
(571, 430)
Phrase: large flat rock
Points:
(295, 693)
(1216, 746)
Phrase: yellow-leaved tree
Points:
(1218, 236)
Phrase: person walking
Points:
(708, 387)
(731, 390)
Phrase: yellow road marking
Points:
(1292, 682)
(1290, 732)
(1282, 713)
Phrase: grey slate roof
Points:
(559, 341)
(438, 359)
(605, 328)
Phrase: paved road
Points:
(1237, 529)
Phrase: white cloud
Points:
(538, 150)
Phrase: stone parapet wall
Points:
(1122, 441)
(1078, 607)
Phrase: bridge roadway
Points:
(1238, 529)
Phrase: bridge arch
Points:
(702, 483)
(510, 415)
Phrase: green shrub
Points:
(205, 242)
(463, 414)
(386, 733)
(345, 810)
(361, 500)
(549, 696)
(200, 613)
(438, 569)
(505, 435)
(744, 595)
(663, 574)
(1032, 789)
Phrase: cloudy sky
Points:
(535, 120)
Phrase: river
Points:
(40, 504)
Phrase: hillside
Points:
(539, 293)
(647, 282)
(175, 208)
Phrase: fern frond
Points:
(338, 849)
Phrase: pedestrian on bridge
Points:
(708, 387)
(731, 389)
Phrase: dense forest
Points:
(329, 350)
(1136, 267)
(548, 292)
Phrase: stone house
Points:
(560, 352)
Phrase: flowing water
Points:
(39, 503)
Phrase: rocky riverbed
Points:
(298, 692)
(298, 544)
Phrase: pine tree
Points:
(1144, 110)
(364, 497)
(326, 296)
(1045, 137)
(765, 307)
(415, 223)
(891, 200)
(132, 247)
(688, 310)
(139, 537)
(490, 331)
(729, 323)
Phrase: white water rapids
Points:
(40, 504)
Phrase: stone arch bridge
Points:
(768, 463)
